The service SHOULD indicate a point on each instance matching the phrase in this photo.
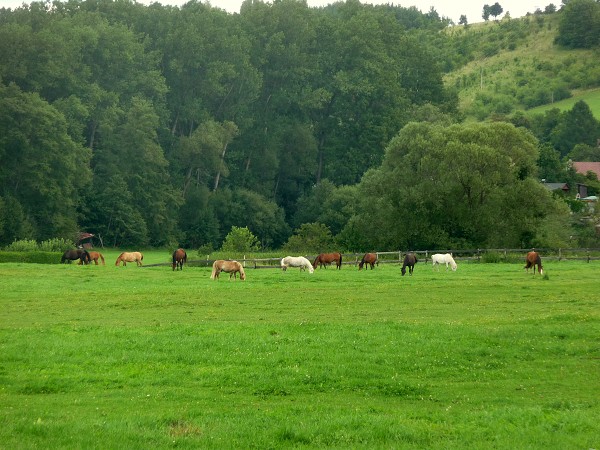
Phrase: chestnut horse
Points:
(231, 267)
(78, 253)
(324, 259)
(179, 258)
(369, 258)
(533, 259)
(95, 256)
(409, 261)
(126, 257)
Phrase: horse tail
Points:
(340, 261)
(102, 258)
(214, 271)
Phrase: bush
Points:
(240, 240)
(33, 257)
(56, 245)
(24, 245)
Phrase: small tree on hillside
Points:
(463, 20)
(496, 10)
(486, 12)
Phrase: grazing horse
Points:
(446, 258)
(179, 258)
(409, 261)
(369, 258)
(324, 259)
(78, 253)
(533, 259)
(231, 267)
(296, 261)
(126, 257)
(95, 256)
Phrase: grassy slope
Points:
(106, 357)
(501, 68)
(592, 98)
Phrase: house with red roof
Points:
(585, 167)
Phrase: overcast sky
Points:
(452, 9)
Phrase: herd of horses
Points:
(233, 268)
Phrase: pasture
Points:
(140, 357)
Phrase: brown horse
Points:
(231, 267)
(78, 253)
(179, 257)
(369, 258)
(95, 256)
(126, 257)
(324, 259)
(531, 260)
(409, 261)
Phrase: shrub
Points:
(240, 240)
(32, 257)
(24, 245)
(56, 245)
(491, 257)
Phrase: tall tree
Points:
(41, 167)
(454, 186)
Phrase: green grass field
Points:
(486, 357)
(592, 98)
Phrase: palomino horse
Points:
(445, 258)
(231, 267)
(533, 259)
(409, 261)
(324, 259)
(179, 257)
(296, 261)
(126, 257)
(370, 259)
(95, 256)
(78, 253)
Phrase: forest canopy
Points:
(162, 126)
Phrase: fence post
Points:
(588, 255)
(478, 255)
(559, 254)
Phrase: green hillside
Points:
(592, 98)
(515, 65)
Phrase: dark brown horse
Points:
(179, 258)
(77, 253)
(370, 259)
(95, 256)
(409, 261)
(324, 259)
(533, 259)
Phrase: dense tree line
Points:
(156, 125)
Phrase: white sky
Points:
(452, 9)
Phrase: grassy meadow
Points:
(484, 357)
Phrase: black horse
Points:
(78, 253)
(409, 260)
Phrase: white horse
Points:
(297, 261)
(446, 258)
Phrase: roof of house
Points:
(585, 167)
(556, 186)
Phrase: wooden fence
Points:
(495, 255)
